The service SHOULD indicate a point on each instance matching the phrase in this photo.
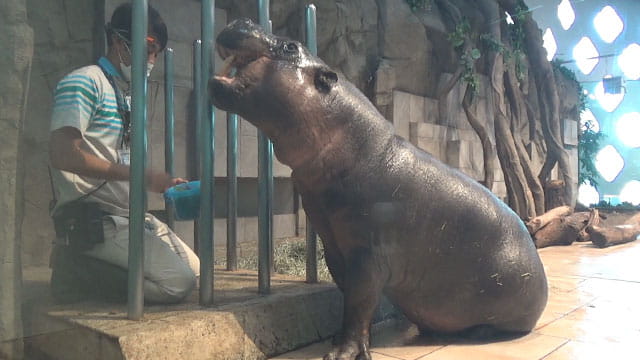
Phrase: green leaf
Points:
(475, 54)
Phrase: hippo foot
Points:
(350, 350)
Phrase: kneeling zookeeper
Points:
(89, 153)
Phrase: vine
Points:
(589, 141)
(517, 34)
(569, 74)
(492, 44)
(458, 38)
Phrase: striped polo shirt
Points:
(85, 100)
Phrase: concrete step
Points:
(242, 324)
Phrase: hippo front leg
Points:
(363, 283)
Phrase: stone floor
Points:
(593, 312)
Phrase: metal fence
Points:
(204, 67)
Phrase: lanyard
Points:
(123, 108)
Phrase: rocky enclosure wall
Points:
(16, 38)
(400, 59)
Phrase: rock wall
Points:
(16, 38)
(65, 39)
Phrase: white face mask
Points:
(126, 69)
(149, 68)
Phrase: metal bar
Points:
(312, 257)
(197, 89)
(232, 191)
(263, 13)
(264, 258)
(311, 239)
(269, 176)
(264, 202)
(169, 121)
(270, 203)
(311, 29)
(137, 191)
(205, 231)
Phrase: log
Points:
(541, 221)
(607, 236)
(593, 220)
(634, 220)
(614, 235)
(562, 230)
(555, 233)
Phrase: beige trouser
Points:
(171, 268)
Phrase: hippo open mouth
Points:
(251, 55)
(246, 49)
(236, 63)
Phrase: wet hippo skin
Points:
(392, 218)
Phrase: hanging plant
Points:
(492, 44)
(589, 143)
(517, 33)
(457, 38)
(569, 74)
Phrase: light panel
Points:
(586, 55)
(631, 192)
(608, 24)
(609, 102)
(588, 195)
(628, 129)
(609, 163)
(549, 43)
(588, 121)
(629, 61)
(566, 15)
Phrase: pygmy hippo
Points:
(392, 218)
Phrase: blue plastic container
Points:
(185, 199)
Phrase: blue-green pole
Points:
(311, 239)
(169, 121)
(205, 222)
(311, 29)
(263, 13)
(270, 187)
(137, 191)
(197, 89)
(232, 191)
(264, 200)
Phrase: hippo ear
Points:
(324, 79)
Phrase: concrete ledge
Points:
(293, 316)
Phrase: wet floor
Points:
(593, 312)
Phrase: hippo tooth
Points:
(227, 66)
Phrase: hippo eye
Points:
(290, 47)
